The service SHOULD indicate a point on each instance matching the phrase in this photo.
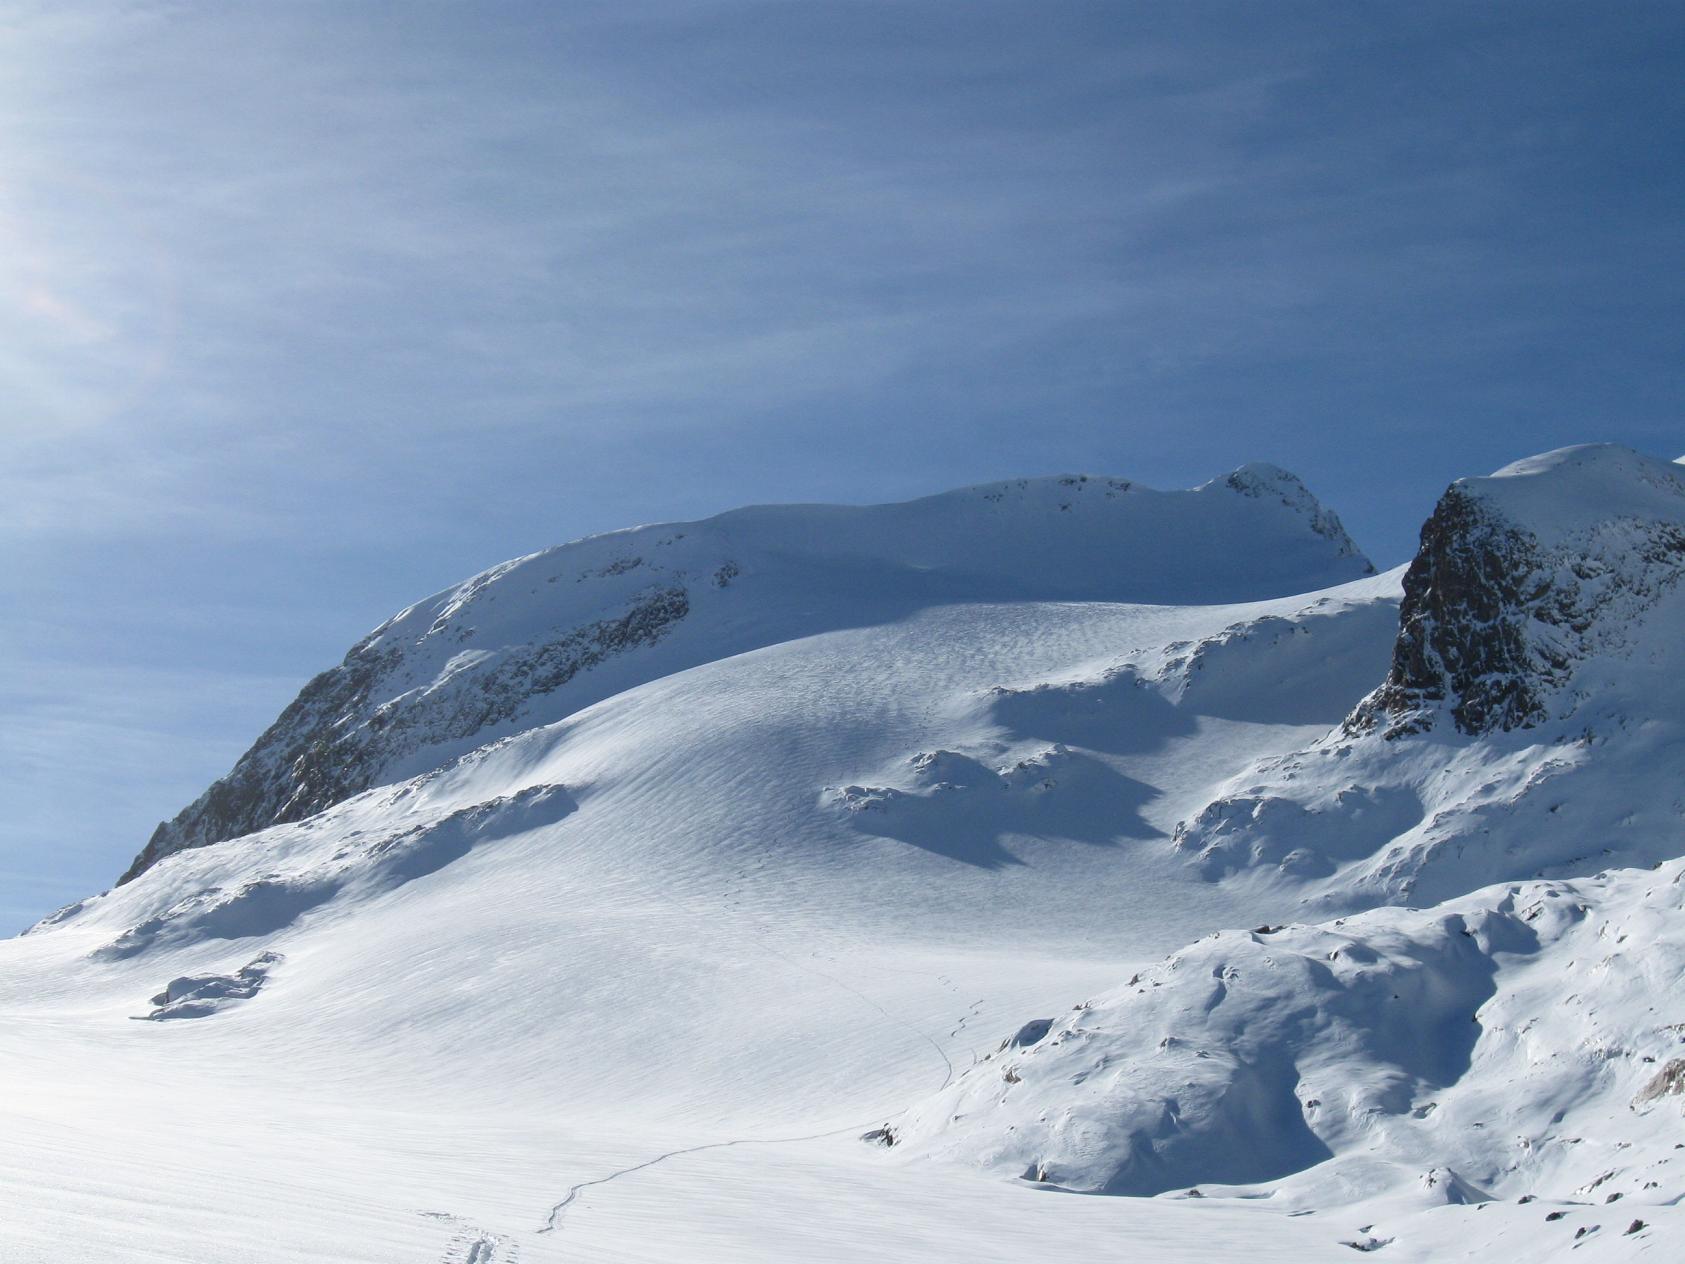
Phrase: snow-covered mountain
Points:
(538, 638)
(599, 907)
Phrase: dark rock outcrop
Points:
(1462, 638)
(330, 744)
(1497, 613)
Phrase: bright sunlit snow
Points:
(821, 884)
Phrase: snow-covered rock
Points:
(1525, 576)
(1537, 684)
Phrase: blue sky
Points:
(307, 310)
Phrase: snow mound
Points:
(200, 995)
(1054, 764)
(961, 807)
(1280, 667)
(1512, 1043)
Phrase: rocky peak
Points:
(1522, 576)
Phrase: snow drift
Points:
(1505, 1037)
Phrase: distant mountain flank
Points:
(535, 639)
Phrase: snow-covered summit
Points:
(1568, 492)
(535, 639)
(1266, 481)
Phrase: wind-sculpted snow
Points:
(201, 995)
(959, 806)
(1291, 667)
(1365, 821)
(365, 866)
(538, 638)
(1296, 838)
(1522, 1042)
(1239, 1060)
(1281, 668)
(1051, 770)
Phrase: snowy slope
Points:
(646, 928)
(546, 939)
(725, 790)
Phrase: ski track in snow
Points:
(763, 941)
(554, 1220)
(969, 1015)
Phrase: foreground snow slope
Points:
(616, 954)
(647, 928)
(682, 869)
